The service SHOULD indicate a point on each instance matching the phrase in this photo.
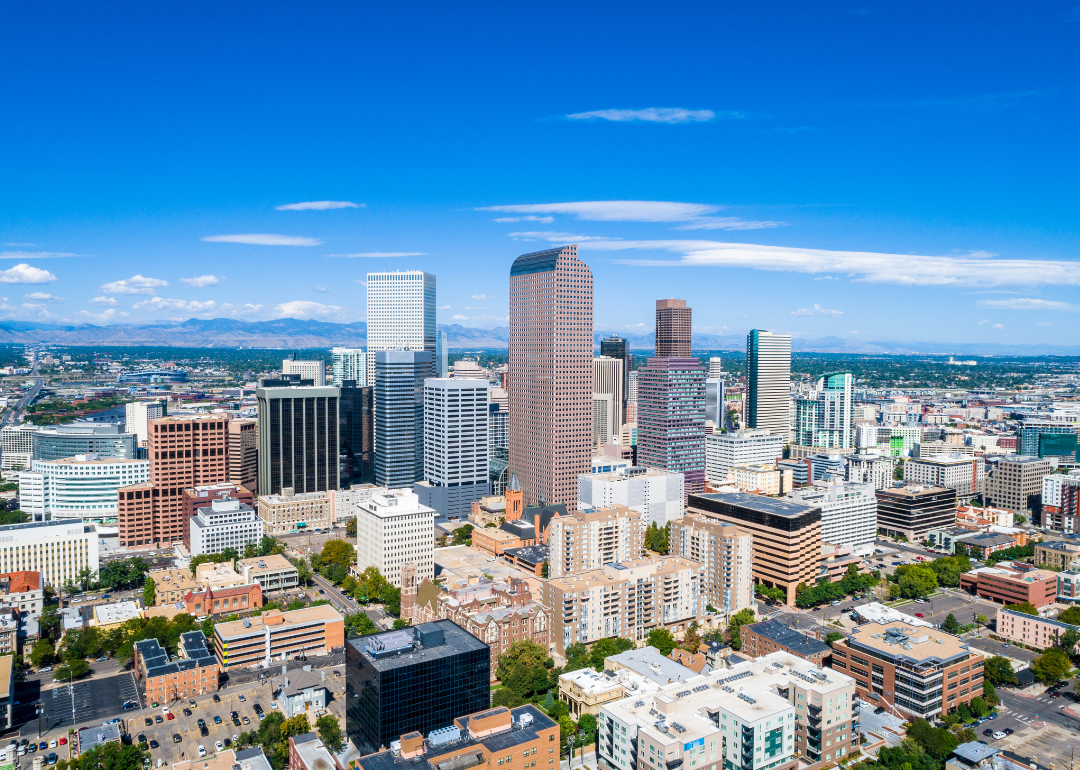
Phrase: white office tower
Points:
(656, 494)
(225, 523)
(848, 512)
(866, 436)
(869, 469)
(138, 413)
(608, 377)
(456, 440)
(348, 364)
(16, 447)
(400, 312)
(823, 417)
(308, 370)
(59, 550)
(80, 487)
(716, 369)
(967, 475)
(393, 528)
(498, 429)
(723, 451)
(631, 394)
(768, 381)
(603, 409)
(715, 410)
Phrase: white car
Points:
(164, 709)
(52, 743)
(219, 746)
(202, 750)
(998, 735)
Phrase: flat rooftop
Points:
(793, 640)
(916, 644)
(416, 644)
(277, 621)
(649, 663)
(760, 503)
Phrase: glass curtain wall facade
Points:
(298, 439)
(399, 416)
(357, 434)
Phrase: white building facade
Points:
(59, 550)
(400, 312)
(848, 511)
(455, 445)
(80, 487)
(225, 523)
(308, 370)
(608, 378)
(16, 446)
(967, 475)
(392, 529)
(865, 468)
(656, 494)
(138, 413)
(723, 451)
(349, 364)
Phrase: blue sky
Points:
(870, 170)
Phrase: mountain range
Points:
(292, 333)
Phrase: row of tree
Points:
(827, 591)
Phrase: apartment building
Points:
(919, 671)
(912, 511)
(278, 636)
(786, 535)
(1031, 630)
(1012, 583)
(848, 511)
(777, 712)
(23, 591)
(291, 512)
(657, 494)
(723, 451)
(393, 529)
(1057, 554)
(762, 479)
(727, 554)
(771, 636)
(172, 585)
(193, 672)
(591, 538)
(953, 471)
(626, 599)
(59, 550)
(273, 572)
(1061, 502)
(1017, 484)
(869, 469)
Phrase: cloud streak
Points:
(137, 284)
(320, 206)
(201, 281)
(37, 254)
(669, 115)
(816, 310)
(690, 216)
(1028, 303)
(263, 239)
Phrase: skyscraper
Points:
(298, 439)
(823, 417)
(551, 350)
(609, 378)
(308, 370)
(399, 415)
(442, 356)
(716, 368)
(768, 379)
(455, 445)
(672, 328)
(671, 418)
(357, 426)
(349, 364)
(715, 408)
(400, 313)
(615, 347)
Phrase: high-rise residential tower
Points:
(400, 313)
(551, 350)
(349, 364)
(308, 370)
(298, 439)
(768, 378)
(672, 328)
(455, 445)
(399, 415)
(609, 378)
(671, 418)
(823, 417)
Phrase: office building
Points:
(823, 418)
(272, 573)
(84, 438)
(394, 529)
(277, 636)
(1030, 435)
(184, 452)
(715, 408)
(671, 418)
(768, 379)
(848, 512)
(672, 328)
(298, 439)
(1061, 502)
(399, 416)
(348, 364)
(873, 469)
(200, 497)
(356, 418)
(82, 487)
(912, 511)
(400, 314)
(510, 736)
(290, 511)
(225, 523)
(746, 716)
(498, 431)
(922, 672)
(442, 355)
(138, 415)
(615, 347)
(826, 467)
(723, 451)
(609, 378)
(455, 450)
(551, 350)
(658, 495)
(1012, 583)
(307, 370)
(1017, 483)
(589, 539)
(964, 474)
(787, 535)
(626, 599)
(727, 554)
(194, 670)
(1056, 554)
(769, 636)
(603, 419)
(17, 447)
(762, 479)
(414, 679)
(59, 550)
(243, 457)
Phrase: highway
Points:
(13, 413)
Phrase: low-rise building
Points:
(171, 585)
(1031, 630)
(584, 691)
(1012, 583)
(7, 689)
(225, 523)
(918, 671)
(301, 691)
(980, 545)
(969, 515)
(215, 576)
(9, 631)
(768, 636)
(223, 601)
(193, 672)
(966, 475)
(912, 511)
(307, 752)
(291, 512)
(648, 663)
(1069, 586)
(272, 573)
(23, 591)
(490, 509)
(108, 616)
(762, 479)
(946, 538)
(1057, 554)
(277, 636)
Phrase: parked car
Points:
(187, 712)
(879, 710)
(177, 738)
(217, 698)
(217, 720)
(202, 750)
(53, 744)
(148, 721)
(103, 658)
(44, 746)
(988, 732)
(52, 757)
(154, 744)
(142, 738)
(219, 745)
(1009, 731)
(158, 719)
(919, 615)
(998, 735)
(63, 741)
(45, 670)
(241, 697)
(203, 731)
(202, 723)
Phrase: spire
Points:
(514, 485)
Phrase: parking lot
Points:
(95, 699)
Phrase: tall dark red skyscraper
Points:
(672, 328)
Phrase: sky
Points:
(866, 170)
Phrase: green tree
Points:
(979, 707)
(1025, 607)
(833, 636)
(303, 571)
(951, 624)
(329, 730)
(917, 582)
(1068, 641)
(545, 570)
(1071, 616)
(738, 620)
(587, 728)
(42, 654)
(662, 640)
(577, 656)
(337, 552)
(350, 527)
(86, 577)
(111, 756)
(1051, 666)
(990, 694)
(602, 648)
(390, 596)
(504, 696)
(937, 742)
(71, 669)
(49, 622)
(359, 624)
(463, 535)
(999, 670)
(149, 592)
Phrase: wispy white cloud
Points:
(974, 269)
(983, 322)
(104, 301)
(816, 310)
(1028, 303)
(730, 223)
(188, 306)
(40, 296)
(9, 243)
(264, 239)
(443, 307)
(104, 317)
(26, 274)
(319, 206)
(694, 216)
(554, 237)
(459, 318)
(479, 296)
(541, 220)
(306, 310)
(137, 284)
(380, 254)
(201, 281)
(999, 326)
(319, 289)
(35, 254)
(244, 310)
(654, 115)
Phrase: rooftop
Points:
(530, 554)
(773, 506)
(792, 640)
(905, 641)
(274, 561)
(118, 612)
(913, 490)
(21, 582)
(276, 618)
(416, 644)
(649, 663)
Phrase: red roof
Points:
(23, 581)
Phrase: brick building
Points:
(1031, 630)
(1012, 583)
(277, 635)
(771, 636)
(223, 601)
(193, 672)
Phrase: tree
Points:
(1051, 666)
(71, 669)
(999, 670)
(86, 577)
(49, 622)
(935, 741)
(990, 694)
(390, 596)
(662, 640)
(691, 639)
(833, 636)
(577, 656)
(917, 582)
(979, 707)
(303, 571)
(545, 570)
(114, 756)
(602, 648)
(1071, 616)
(1068, 641)
(1025, 607)
(359, 624)
(951, 624)
(504, 696)
(42, 654)
(329, 730)
(777, 595)
(657, 538)
(338, 552)
(587, 727)
(463, 535)
(149, 592)
(350, 527)
(738, 620)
